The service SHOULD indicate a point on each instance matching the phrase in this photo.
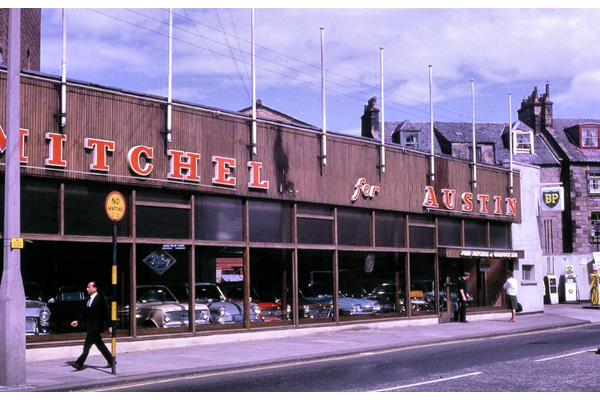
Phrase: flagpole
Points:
(473, 127)
(382, 126)
(254, 149)
(324, 135)
(63, 67)
(170, 80)
(432, 166)
(510, 141)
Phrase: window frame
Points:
(582, 138)
(523, 147)
(593, 182)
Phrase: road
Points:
(562, 360)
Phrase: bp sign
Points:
(552, 199)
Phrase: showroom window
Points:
(389, 230)
(354, 228)
(219, 218)
(314, 224)
(39, 206)
(270, 222)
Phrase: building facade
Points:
(272, 239)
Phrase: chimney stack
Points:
(370, 120)
(536, 111)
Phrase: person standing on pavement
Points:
(94, 317)
(510, 287)
(463, 297)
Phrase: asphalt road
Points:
(563, 360)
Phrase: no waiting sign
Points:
(115, 206)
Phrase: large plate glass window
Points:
(219, 218)
(270, 222)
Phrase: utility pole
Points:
(12, 294)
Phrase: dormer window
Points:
(409, 139)
(523, 142)
(589, 137)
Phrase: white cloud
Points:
(502, 49)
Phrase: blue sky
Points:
(502, 50)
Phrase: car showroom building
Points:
(247, 224)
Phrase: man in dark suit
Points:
(94, 317)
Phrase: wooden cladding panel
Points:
(290, 157)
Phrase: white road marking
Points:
(430, 382)
(565, 355)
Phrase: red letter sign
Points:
(56, 156)
(223, 168)
(99, 149)
(134, 160)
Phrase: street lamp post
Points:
(12, 294)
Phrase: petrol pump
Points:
(551, 295)
(594, 288)
(568, 285)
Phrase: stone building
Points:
(31, 25)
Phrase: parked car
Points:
(37, 313)
(66, 307)
(427, 287)
(222, 309)
(308, 308)
(320, 291)
(269, 311)
(385, 295)
(157, 307)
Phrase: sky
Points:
(469, 53)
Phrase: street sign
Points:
(552, 199)
(16, 243)
(115, 206)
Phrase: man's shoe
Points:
(109, 365)
(76, 365)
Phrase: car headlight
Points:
(44, 317)
(376, 307)
(167, 317)
(356, 308)
(256, 309)
(202, 316)
(222, 310)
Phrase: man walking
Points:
(511, 286)
(463, 297)
(94, 317)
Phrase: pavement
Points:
(137, 361)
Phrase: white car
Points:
(37, 313)
(157, 307)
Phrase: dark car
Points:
(66, 307)
(385, 294)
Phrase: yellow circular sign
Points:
(115, 206)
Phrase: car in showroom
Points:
(66, 307)
(348, 305)
(157, 307)
(269, 311)
(37, 313)
(385, 294)
(222, 309)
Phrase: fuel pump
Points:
(594, 288)
(551, 295)
(569, 292)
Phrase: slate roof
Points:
(565, 132)
(494, 134)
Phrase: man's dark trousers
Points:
(94, 317)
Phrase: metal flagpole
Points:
(63, 88)
(432, 171)
(382, 128)
(474, 141)
(170, 80)
(12, 293)
(510, 141)
(324, 136)
(254, 149)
